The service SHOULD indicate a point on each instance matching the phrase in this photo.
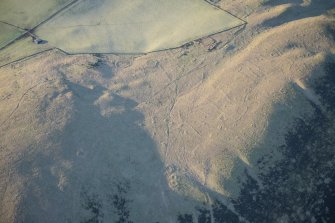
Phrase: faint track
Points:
(19, 103)
(174, 100)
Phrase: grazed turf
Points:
(137, 26)
(7, 33)
(28, 13)
(22, 48)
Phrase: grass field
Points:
(7, 33)
(137, 26)
(20, 50)
(28, 13)
(25, 14)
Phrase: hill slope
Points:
(239, 132)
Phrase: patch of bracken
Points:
(185, 218)
(119, 202)
(204, 216)
(94, 205)
(222, 214)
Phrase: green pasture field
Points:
(8, 33)
(20, 50)
(28, 13)
(137, 26)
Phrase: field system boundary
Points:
(242, 27)
(26, 57)
(16, 38)
(27, 32)
(218, 7)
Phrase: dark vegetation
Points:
(325, 86)
(185, 218)
(204, 216)
(119, 203)
(93, 204)
(97, 62)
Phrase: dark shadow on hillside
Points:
(296, 12)
(96, 168)
(102, 166)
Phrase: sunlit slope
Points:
(28, 13)
(134, 26)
